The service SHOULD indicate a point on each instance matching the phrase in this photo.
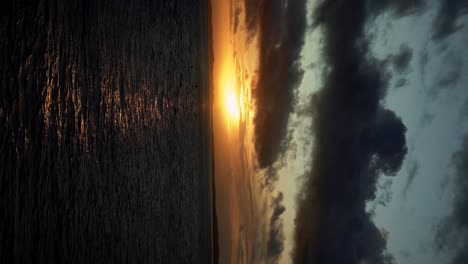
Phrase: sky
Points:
(340, 131)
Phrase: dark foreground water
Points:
(103, 153)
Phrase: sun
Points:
(231, 104)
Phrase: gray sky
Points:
(431, 108)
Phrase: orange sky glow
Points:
(237, 189)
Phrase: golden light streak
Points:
(231, 102)
(234, 70)
(232, 105)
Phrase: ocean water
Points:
(103, 153)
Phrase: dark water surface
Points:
(103, 154)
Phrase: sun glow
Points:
(231, 104)
(230, 93)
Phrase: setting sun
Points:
(232, 104)
(230, 98)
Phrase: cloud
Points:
(450, 73)
(423, 60)
(400, 83)
(405, 253)
(464, 109)
(413, 170)
(251, 15)
(280, 31)
(356, 140)
(384, 197)
(275, 244)
(449, 12)
(271, 173)
(401, 60)
(399, 8)
(237, 13)
(452, 232)
(426, 118)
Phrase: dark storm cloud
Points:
(281, 37)
(452, 233)
(275, 242)
(251, 14)
(446, 21)
(356, 140)
(271, 173)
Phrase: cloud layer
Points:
(356, 140)
(280, 32)
(452, 233)
(446, 22)
(275, 244)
